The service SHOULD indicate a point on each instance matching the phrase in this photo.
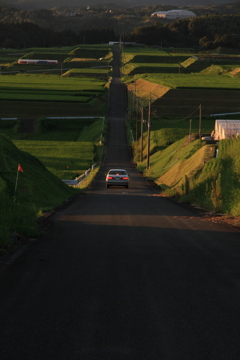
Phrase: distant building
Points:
(174, 14)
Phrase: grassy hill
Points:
(22, 201)
(191, 172)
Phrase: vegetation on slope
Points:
(192, 172)
(24, 195)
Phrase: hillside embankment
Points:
(203, 175)
(25, 193)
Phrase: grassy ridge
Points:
(192, 173)
(37, 189)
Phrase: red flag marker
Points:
(20, 168)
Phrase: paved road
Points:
(124, 274)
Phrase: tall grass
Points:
(193, 174)
(18, 220)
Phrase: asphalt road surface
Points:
(124, 274)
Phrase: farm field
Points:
(184, 167)
(179, 82)
(73, 87)
(65, 55)
(65, 159)
(66, 147)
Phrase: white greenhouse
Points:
(174, 14)
(226, 129)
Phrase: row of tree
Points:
(208, 32)
(26, 35)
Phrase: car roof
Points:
(117, 170)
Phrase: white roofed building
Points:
(174, 14)
(226, 129)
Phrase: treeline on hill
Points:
(26, 34)
(208, 32)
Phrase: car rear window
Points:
(120, 172)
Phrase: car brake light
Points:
(110, 177)
(125, 178)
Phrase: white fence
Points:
(80, 179)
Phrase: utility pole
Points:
(132, 105)
(149, 132)
(190, 130)
(136, 111)
(141, 142)
(200, 124)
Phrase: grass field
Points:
(49, 82)
(179, 82)
(172, 69)
(65, 146)
(64, 159)
(175, 81)
(39, 95)
(74, 88)
(9, 57)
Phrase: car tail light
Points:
(110, 177)
(124, 178)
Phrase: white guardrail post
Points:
(80, 179)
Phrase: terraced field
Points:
(29, 90)
(184, 102)
(179, 83)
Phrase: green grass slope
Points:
(25, 194)
(191, 172)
